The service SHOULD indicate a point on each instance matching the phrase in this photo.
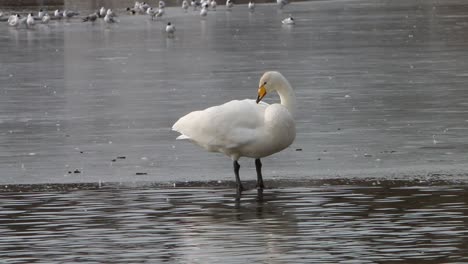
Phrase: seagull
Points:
(245, 128)
(185, 5)
(136, 5)
(41, 14)
(162, 4)
(109, 19)
(58, 14)
(69, 14)
(137, 8)
(203, 11)
(102, 12)
(288, 21)
(282, 3)
(91, 17)
(45, 18)
(160, 12)
(151, 12)
(170, 29)
(251, 6)
(195, 4)
(14, 20)
(22, 21)
(131, 11)
(144, 6)
(213, 4)
(229, 4)
(110, 13)
(30, 20)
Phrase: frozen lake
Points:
(381, 91)
(377, 173)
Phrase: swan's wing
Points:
(226, 126)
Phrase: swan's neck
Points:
(287, 96)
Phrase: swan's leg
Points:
(258, 166)
(238, 181)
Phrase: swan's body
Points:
(245, 128)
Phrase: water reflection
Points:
(368, 222)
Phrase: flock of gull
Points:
(238, 128)
(140, 8)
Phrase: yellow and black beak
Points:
(261, 93)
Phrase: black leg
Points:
(238, 181)
(259, 195)
(258, 166)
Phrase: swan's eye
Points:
(264, 83)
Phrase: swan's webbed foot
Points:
(258, 167)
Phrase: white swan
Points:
(245, 128)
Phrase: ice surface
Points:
(372, 99)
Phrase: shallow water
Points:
(320, 222)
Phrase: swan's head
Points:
(268, 83)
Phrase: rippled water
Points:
(321, 222)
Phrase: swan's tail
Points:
(182, 137)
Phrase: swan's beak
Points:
(261, 93)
